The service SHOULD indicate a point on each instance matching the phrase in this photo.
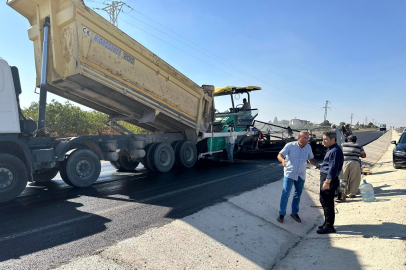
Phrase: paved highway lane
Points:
(365, 137)
(52, 223)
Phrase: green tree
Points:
(325, 123)
(342, 123)
(284, 123)
(69, 120)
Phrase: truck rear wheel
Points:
(145, 160)
(185, 154)
(124, 165)
(45, 175)
(13, 177)
(162, 157)
(81, 169)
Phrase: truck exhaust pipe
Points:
(43, 87)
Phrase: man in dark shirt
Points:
(329, 182)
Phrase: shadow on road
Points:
(382, 191)
(383, 231)
(17, 240)
(385, 172)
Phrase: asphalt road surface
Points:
(365, 137)
(53, 223)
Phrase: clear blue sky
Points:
(302, 53)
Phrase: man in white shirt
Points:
(230, 143)
(294, 157)
(246, 106)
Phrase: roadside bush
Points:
(70, 120)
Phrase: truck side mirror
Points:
(393, 142)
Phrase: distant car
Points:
(399, 152)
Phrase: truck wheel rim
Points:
(83, 168)
(6, 178)
(164, 157)
(189, 154)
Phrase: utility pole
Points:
(352, 116)
(366, 120)
(114, 9)
(325, 110)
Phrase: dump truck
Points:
(382, 127)
(84, 58)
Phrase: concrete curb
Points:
(241, 233)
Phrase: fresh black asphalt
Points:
(51, 224)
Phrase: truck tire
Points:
(45, 175)
(124, 165)
(62, 171)
(146, 158)
(81, 169)
(162, 157)
(115, 165)
(13, 177)
(174, 145)
(185, 154)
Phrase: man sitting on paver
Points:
(329, 182)
(294, 157)
(246, 106)
(352, 165)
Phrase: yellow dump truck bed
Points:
(95, 64)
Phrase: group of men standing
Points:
(341, 161)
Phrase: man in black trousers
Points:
(329, 182)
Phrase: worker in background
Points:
(294, 157)
(352, 165)
(329, 182)
(230, 141)
(348, 129)
(246, 106)
(344, 132)
(290, 132)
(339, 138)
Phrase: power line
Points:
(114, 18)
(104, 3)
(224, 62)
(207, 62)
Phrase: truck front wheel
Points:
(45, 175)
(13, 177)
(81, 169)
